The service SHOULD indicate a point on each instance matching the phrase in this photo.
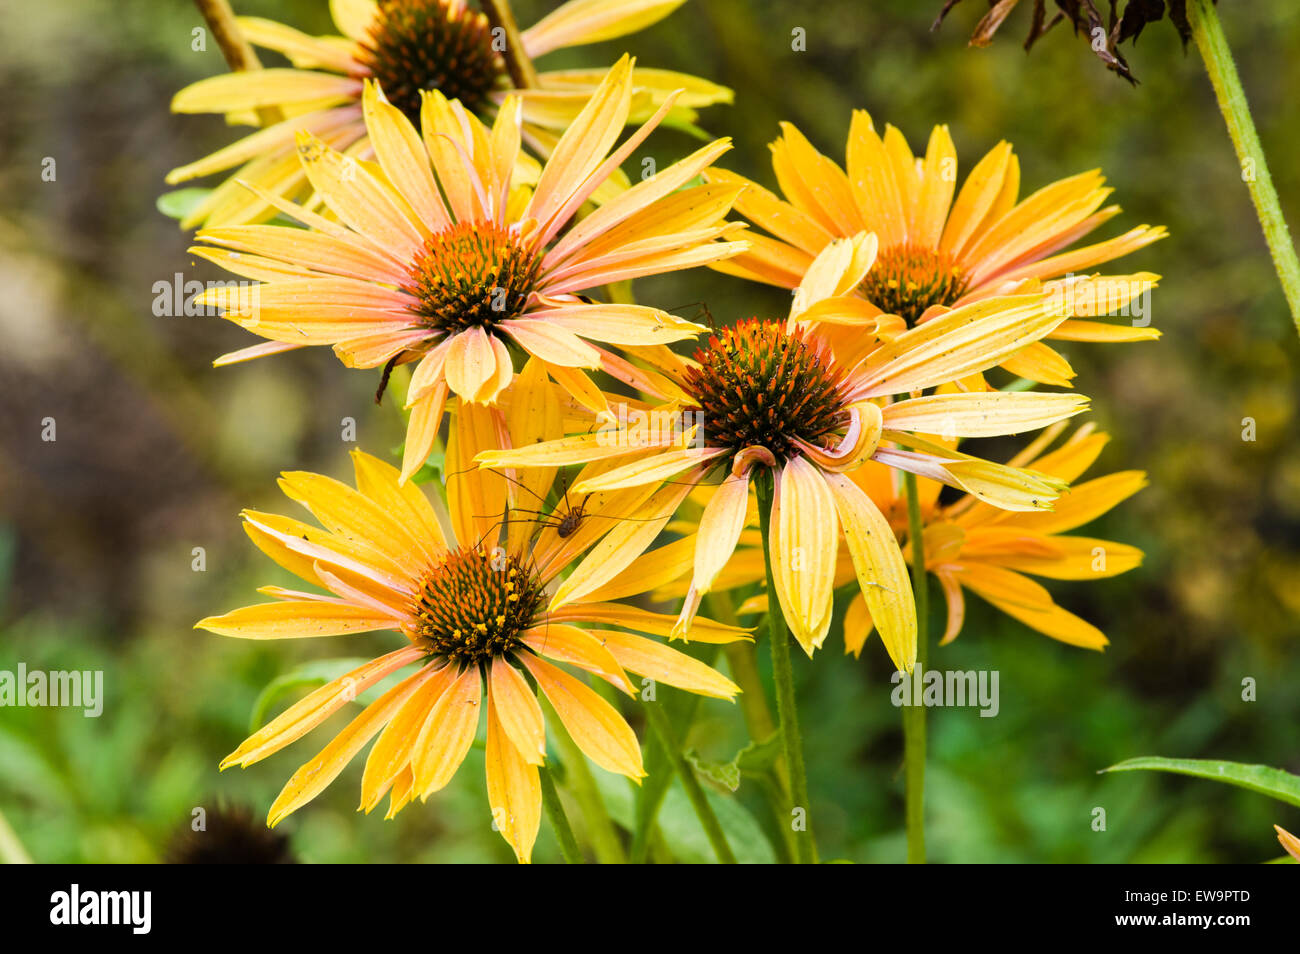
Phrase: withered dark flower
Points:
(1104, 37)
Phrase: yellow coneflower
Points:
(937, 252)
(970, 545)
(991, 552)
(408, 47)
(783, 396)
(473, 611)
(455, 282)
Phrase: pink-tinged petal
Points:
(316, 707)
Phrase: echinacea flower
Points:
(408, 47)
(782, 395)
(938, 252)
(970, 545)
(442, 256)
(472, 609)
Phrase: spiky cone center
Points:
(907, 279)
(472, 274)
(474, 606)
(417, 45)
(758, 385)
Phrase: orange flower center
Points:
(907, 279)
(418, 45)
(758, 385)
(473, 274)
(474, 606)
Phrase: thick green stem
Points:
(914, 714)
(1208, 32)
(559, 820)
(742, 660)
(699, 801)
(783, 675)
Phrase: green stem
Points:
(742, 660)
(699, 801)
(600, 828)
(914, 714)
(783, 675)
(1213, 45)
(559, 820)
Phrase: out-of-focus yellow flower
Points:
(472, 606)
(409, 48)
(445, 255)
(938, 252)
(809, 399)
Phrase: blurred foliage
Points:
(157, 452)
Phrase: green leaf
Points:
(681, 829)
(724, 776)
(179, 204)
(309, 674)
(756, 758)
(1275, 783)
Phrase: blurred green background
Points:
(156, 451)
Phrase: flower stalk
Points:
(522, 72)
(914, 713)
(559, 820)
(783, 675)
(1207, 30)
(694, 791)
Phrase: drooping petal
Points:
(882, 574)
(517, 709)
(514, 789)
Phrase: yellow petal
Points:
(658, 624)
(297, 619)
(514, 789)
(579, 22)
(882, 574)
(447, 733)
(1023, 599)
(317, 706)
(314, 776)
(987, 414)
(961, 342)
(476, 498)
(577, 646)
(403, 158)
(235, 92)
(599, 731)
(517, 709)
(422, 430)
(803, 544)
(359, 199)
(391, 754)
(646, 657)
(628, 540)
